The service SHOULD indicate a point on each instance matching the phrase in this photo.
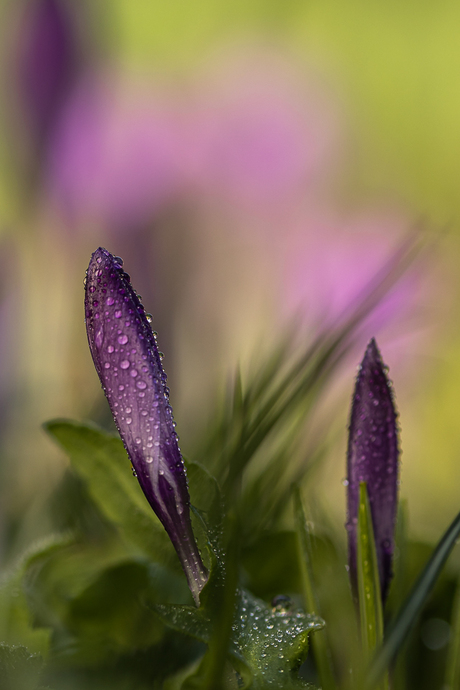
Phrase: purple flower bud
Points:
(128, 362)
(373, 458)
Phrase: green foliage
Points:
(267, 645)
(369, 590)
(322, 652)
(19, 669)
(100, 459)
(414, 603)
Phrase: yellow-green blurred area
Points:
(253, 162)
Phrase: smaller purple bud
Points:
(373, 458)
(47, 62)
(128, 362)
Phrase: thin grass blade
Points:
(452, 679)
(413, 605)
(319, 642)
(369, 592)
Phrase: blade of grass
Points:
(399, 587)
(319, 641)
(413, 604)
(369, 590)
(452, 679)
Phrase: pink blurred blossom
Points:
(260, 133)
(115, 156)
(331, 263)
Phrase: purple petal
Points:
(373, 458)
(48, 61)
(128, 362)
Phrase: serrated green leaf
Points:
(101, 460)
(16, 624)
(402, 624)
(19, 669)
(267, 645)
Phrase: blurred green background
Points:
(253, 163)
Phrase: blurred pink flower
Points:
(250, 134)
(259, 133)
(115, 157)
(329, 267)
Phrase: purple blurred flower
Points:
(126, 357)
(47, 63)
(373, 458)
(331, 260)
(262, 133)
(115, 157)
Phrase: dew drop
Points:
(128, 420)
(110, 349)
(107, 365)
(149, 459)
(141, 384)
(124, 364)
(109, 301)
(123, 339)
(118, 314)
(121, 387)
(133, 373)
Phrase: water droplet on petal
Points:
(133, 373)
(118, 314)
(124, 364)
(123, 339)
(109, 301)
(141, 384)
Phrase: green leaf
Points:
(101, 460)
(16, 624)
(204, 492)
(369, 591)
(267, 645)
(320, 645)
(400, 627)
(108, 616)
(19, 669)
(280, 572)
(452, 678)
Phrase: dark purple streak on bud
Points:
(47, 62)
(373, 458)
(126, 357)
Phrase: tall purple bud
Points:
(128, 362)
(47, 62)
(373, 458)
